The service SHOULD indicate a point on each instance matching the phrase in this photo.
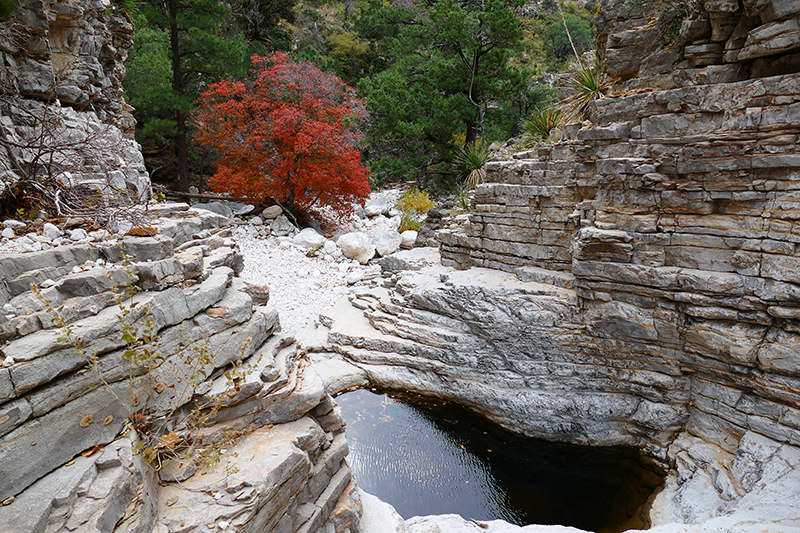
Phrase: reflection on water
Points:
(430, 457)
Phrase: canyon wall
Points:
(61, 99)
(636, 284)
(151, 337)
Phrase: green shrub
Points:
(559, 48)
(541, 123)
(7, 7)
(670, 20)
(469, 161)
(413, 205)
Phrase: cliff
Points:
(64, 122)
(638, 283)
(140, 383)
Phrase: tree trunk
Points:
(472, 131)
(181, 151)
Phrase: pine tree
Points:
(180, 46)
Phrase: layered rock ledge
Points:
(635, 285)
(273, 439)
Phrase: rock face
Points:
(719, 41)
(61, 97)
(66, 443)
(643, 286)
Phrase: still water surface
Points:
(431, 457)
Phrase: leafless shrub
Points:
(53, 158)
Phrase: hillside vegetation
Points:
(437, 76)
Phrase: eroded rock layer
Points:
(63, 117)
(152, 336)
(643, 291)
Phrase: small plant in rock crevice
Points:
(165, 430)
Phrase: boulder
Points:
(281, 226)
(272, 212)
(408, 238)
(386, 241)
(309, 239)
(356, 245)
(216, 207)
(378, 206)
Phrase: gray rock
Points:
(78, 234)
(281, 226)
(386, 241)
(414, 259)
(219, 208)
(272, 212)
(50, 231)
(240, 209)
(256, 221)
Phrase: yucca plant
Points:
(541, 123)
(470, 161)
(587, 84)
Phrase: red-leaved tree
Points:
(289, 132)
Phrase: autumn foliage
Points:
(289, 132)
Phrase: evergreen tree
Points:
(449, 60)
(180, 46)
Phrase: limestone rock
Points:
(408, 237)
(309, 239)
(386, 241)
(50, 231)
(281, 226)
(272, 212)
(219, 208)
(357, 246)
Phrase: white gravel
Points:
(302, 287)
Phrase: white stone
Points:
(386, 241)
(256, 221)
(379, 516)
(330, 247)
(24, 240)
(7, 233)
(309, 239)
(78, 234)
(14, 224)
(408, 239)
(50, 231)
(356, 246)
(373, 211)
(354, 277)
